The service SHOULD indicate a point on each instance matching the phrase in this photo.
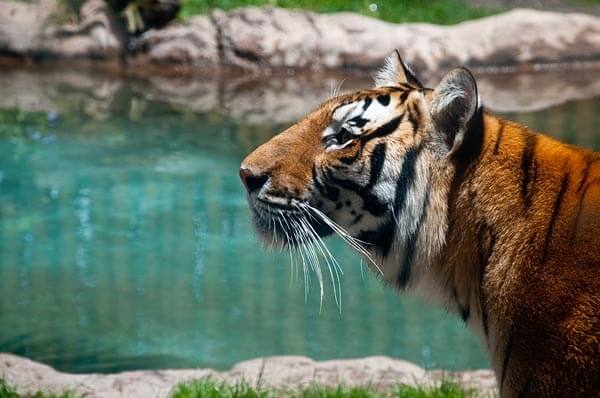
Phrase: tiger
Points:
(496, 223)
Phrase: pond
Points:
(125, 240)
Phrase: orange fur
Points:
(541, 285)
(518, 217)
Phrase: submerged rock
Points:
(280, 372)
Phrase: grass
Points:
(7, 391)
(209, 388)
(443, 12)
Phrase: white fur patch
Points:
(388, 74)
(339, 117)
(337, 147)
(448, 92)
(376, 114)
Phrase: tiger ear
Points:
(396, 71)
(454, 103)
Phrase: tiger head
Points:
(373, 166)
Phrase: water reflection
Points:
(125, 241)
(273, 99)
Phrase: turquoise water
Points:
(125, 243)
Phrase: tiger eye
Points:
(344, 136)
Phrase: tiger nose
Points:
(252, 182)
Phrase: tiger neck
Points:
(486, 222)
(459, 269)
(457, 232)
(456, 241)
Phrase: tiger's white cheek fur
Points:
(420, 219)
(398, 205)
(349, 210)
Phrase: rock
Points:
(280, 372)
(255, 38)
(190, 45)
(22, 24)
(261, 40)
(258, 38)
(380, 372)
(97, 36)
(30, 30)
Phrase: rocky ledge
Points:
(286, 371)
(261, 40)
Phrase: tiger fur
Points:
(499, 224)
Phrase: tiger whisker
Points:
(313, 258)
(330, 260)
(303, 224)
(274, 236)
(339, 268)
(284, 222)
(287, 229)
(335, 90)
(353, 242)
(302, 248)
(306, 243)
(316, 235)
(284, 231)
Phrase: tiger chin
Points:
(498, 224)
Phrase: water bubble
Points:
(373, 7)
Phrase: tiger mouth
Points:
(297, 225)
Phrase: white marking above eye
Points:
(376, 113)
(336, 147)
(340, 116)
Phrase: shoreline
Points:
(380, 372)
